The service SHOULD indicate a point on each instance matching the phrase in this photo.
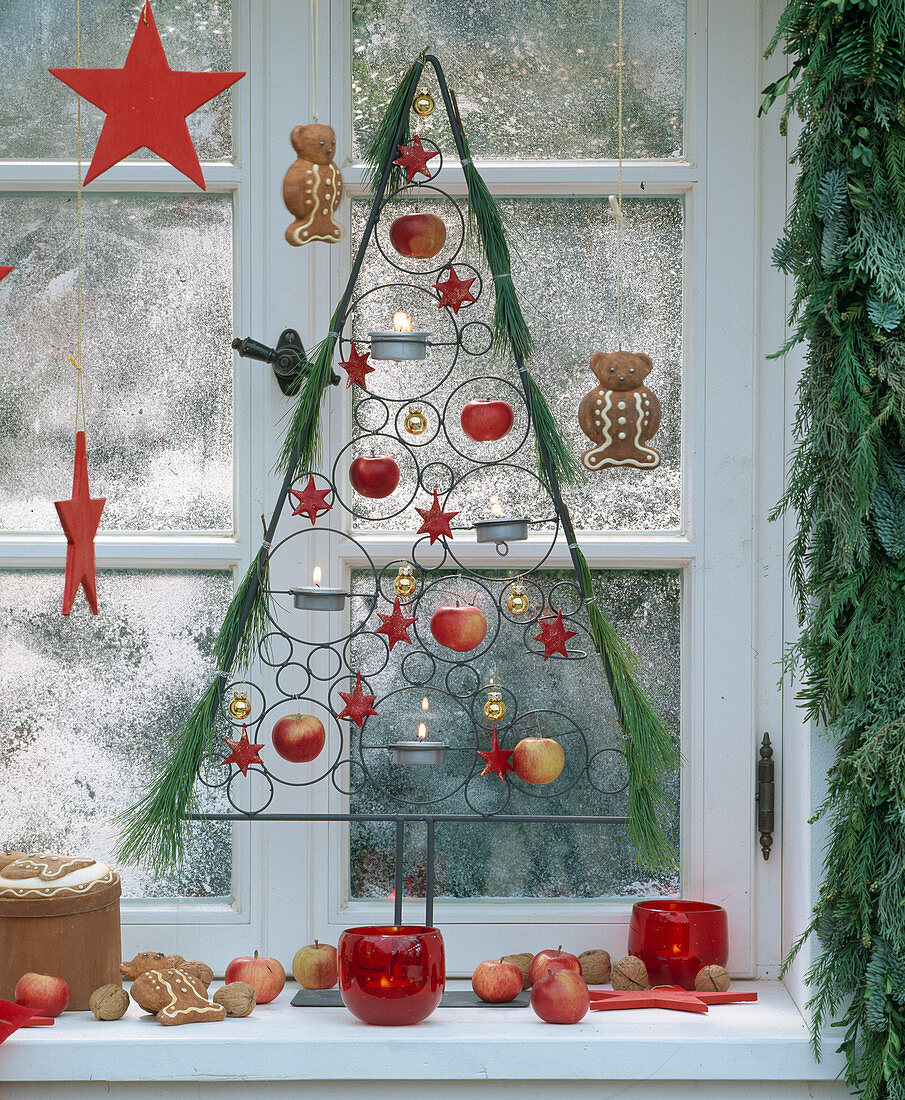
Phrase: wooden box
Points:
(71, 937)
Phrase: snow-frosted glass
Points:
(533, 78)
(87, 705)
(40, 34)
(564, 266)
(157, 324)
(489, 860)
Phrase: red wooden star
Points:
(395, 626)
(146, 103)
(666, 996)
(357, 367)
(358, 705)
(79, 518)
(312, 501)
(553, 636)
(5, 269)
(497, 759)
(454, 292)
(244, 752)
(413, 158)
(436, 521)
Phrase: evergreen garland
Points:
(844, 247)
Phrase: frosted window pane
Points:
(40, 34)
(533, 78)
(157, 294)
(563, 860)
(564, 267)
(86, 707)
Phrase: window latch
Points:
(288, 358)
(766, 787)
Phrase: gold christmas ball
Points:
(518, 602)
(494, 708)
(239, 706)
(415, 420)
(423, 104)
(406, 581)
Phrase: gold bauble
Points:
(518, 602)
(423, 104)
(415, 420)
(405, 581)
(494, 708)
(239, 706)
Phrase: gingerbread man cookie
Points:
(149, 960)
(313, 186)
(621, 414)
(175, 998)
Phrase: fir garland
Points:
(844, 247)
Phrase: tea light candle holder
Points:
(317, 598)
(391, 974)
(501, 530)
(401, 342)
(675, 938)
(421, 751)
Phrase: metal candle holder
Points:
(419, 752)
(319, 599)
(501, 530)
(398, 345)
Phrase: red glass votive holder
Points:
(391, 974)
(675, 939)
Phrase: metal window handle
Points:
(766, 789)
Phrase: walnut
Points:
(595, 966)
(523, 962)
(712, 979)
(630, 973)
(109, 1002)
(238, 998)
(198, 970)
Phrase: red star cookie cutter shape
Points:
(79, 518)
(146, 103)
(312, 501)
(454, 292)
(436, 521)
(357, 367)
(244, 752)
(395, 625)
(413, 158)
(358, 705)
(553, 636)
(497, 759)
(664, 996)
(5, 269)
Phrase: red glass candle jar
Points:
(393, 974)
(674, 939)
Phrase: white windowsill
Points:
(746, 1042)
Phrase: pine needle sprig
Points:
(301, 444)
(385, 140)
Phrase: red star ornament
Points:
(358, 705)
(664, 996)
(553, 636)
(244, 752)
(413, 158)
(357, 367)
(436, 521)
(497, 759)
(146, 103)
(5, 269)
(312, 501)
(396, 625)
(454, 292)
(79, 518)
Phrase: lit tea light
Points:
(421, 751)
(401, 343)
(317, 598)
(501, 530)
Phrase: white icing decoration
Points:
(75, 882)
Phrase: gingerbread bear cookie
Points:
(621, 414)
(175, 998)
(313, 186)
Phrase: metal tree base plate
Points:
(458, 998)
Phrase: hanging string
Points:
(77, 361)
(313, 64)
(619, 300)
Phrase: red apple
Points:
(314, 966)
(459, 628)
(538, 759)
(299, 737)
(266, 976)
(561, 997)
(552, 959)
(497, 982)
(418, 235)
(374, 476)
(483, 420)
(42, 992)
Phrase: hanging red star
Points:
(79, 518)
(5, 269)
(497, 759)
(436, 521)
(413, 158)
(395, 626)
(244, 752)
(454, 292)
(146, 103)
(553, 636)
(358, 705)
(312, 501)
(666, 996)
(357, 367)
